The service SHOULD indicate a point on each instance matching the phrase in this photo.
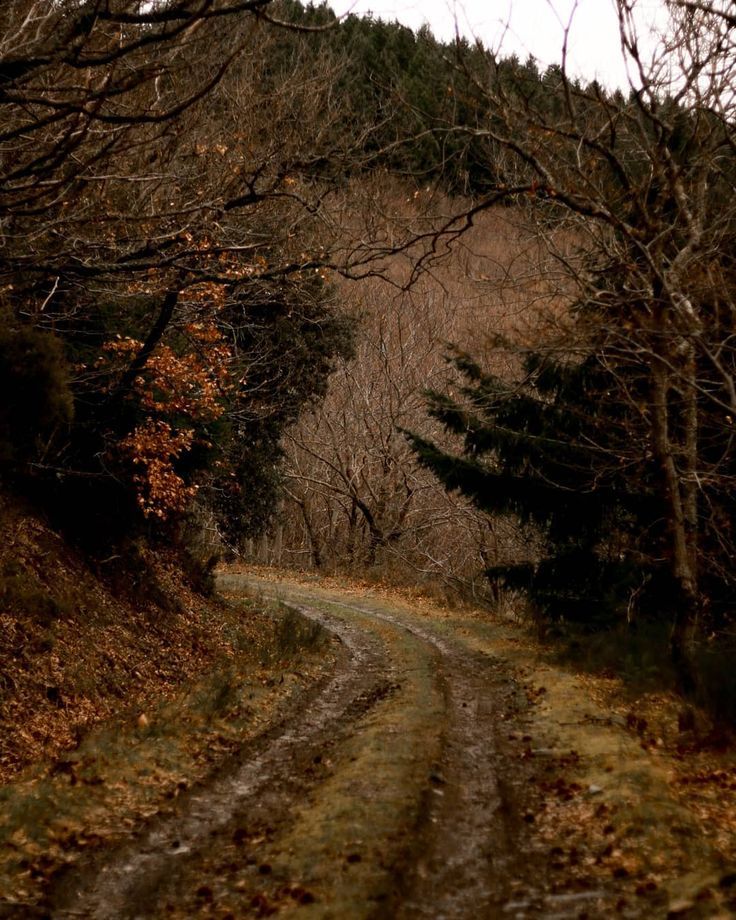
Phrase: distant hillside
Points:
(422, 103)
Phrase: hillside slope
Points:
(80, 645)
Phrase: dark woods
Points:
(169, 307)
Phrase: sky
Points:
(524, 27)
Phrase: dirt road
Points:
(409, 783)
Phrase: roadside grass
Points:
(621, 796)
(639, 656)
(616, 772)
(135, 766)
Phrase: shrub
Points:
(36, 399)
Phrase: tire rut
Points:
(143, 871)
(465, 858)
(470, 855)
(474, 854)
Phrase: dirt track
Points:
(395, 789)
(451, 842)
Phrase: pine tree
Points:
(547, 449)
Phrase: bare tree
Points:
(642, 184)
(156, 176)
(357, 500)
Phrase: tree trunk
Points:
(677, 491)
(158, 329)
(314, 546)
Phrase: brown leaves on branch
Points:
(170, 387)
(153, 448)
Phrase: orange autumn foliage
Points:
(171, 386)
(152, 448)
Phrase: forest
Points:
(337, 296)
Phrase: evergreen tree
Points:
(547, 449)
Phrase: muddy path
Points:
(272, 772)
(395, 789)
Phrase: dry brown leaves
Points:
(97, 655)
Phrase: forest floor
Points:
(377, 756)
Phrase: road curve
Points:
(388, 793)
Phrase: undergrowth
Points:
(715, 666)
(639, 655)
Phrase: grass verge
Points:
(130, 768)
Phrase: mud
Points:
(462, 842)
(135, 880)
(473, 855)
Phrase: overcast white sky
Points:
(527, 27)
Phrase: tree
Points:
(288, 338)
(545, 448)
(644, 186)
(350, 474)
(356, 498)
(156, 187)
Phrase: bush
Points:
(36, 399)
(716, 678)
(198, 549)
